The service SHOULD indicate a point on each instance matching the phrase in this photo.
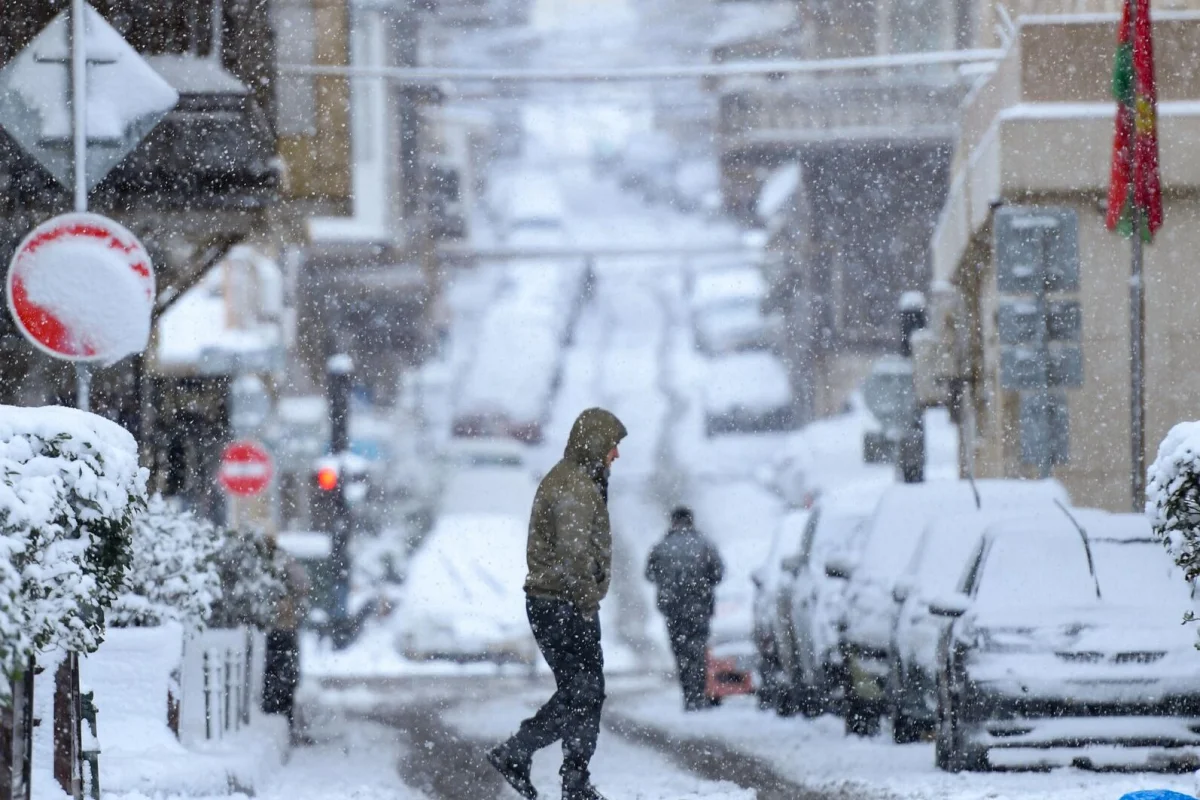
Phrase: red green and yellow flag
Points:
(1135, 183)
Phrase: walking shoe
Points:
(513, 769)
(579, 787)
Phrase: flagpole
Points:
(1137, 383)
(1137, 321)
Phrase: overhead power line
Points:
(737, 69)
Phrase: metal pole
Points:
(1137, 322)
(79, 102)
(1137, 383)
(83, 376)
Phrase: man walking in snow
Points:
(685, 567)
(569, 552)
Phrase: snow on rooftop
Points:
(741, 21)
(305, 545)
(199, 330)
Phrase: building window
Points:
(919, 25)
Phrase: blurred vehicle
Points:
(892, 535)
(934, 571)
(489, 489)
(1067, 648)
(463, 599)
(648, 166)
(534, 208)
(747, 393)
(486, 452)
(727, 312)
(789, 476)
(767, 578)
(697, 186)
(811, 604)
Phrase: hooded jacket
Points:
(569, 550)
(685, 567)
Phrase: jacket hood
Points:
(593, 435)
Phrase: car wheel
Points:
(951, 752)
(905, 730)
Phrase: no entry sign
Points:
(81, 288)
(246, 469)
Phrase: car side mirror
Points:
(838, 568)
(791, 565)
(950, 606)
(901, 590)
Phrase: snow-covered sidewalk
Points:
(818, 755)
(353, 759)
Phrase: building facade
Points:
(1039, 132)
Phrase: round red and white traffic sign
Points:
(81, 288)
(246, 469)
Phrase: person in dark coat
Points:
(685, 567)
(569, 553)
(282, 668)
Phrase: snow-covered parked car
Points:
(767, 579)
(892, 535)
(747, 393)
(509, 384)
(463, 599)
(1067, 648)
(727, 314)
(489, 488)
(934, 571)
(811, 603)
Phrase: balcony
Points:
(815, 112)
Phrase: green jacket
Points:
(570, 542)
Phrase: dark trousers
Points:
(689, 642)
(570, 643)
(281, 673)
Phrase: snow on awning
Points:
(227, 323)
(777, 191)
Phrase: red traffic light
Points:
(327, 478)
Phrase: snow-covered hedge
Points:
(70, 487)
(173, 577)
(252, 582)
(1173, 496)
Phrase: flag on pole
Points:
(1135, 182)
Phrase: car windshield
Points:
(1043, 571)
(1140, 573)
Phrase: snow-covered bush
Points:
(173, 577)
(252, 582)
(1173, 496)
(70, 487)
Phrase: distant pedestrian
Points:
(282, 669)
(685, 567)
(570, 564)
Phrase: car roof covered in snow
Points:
(1131, 568)
(753, 380)
(905, 510)
(946, 546)
(728, 284)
